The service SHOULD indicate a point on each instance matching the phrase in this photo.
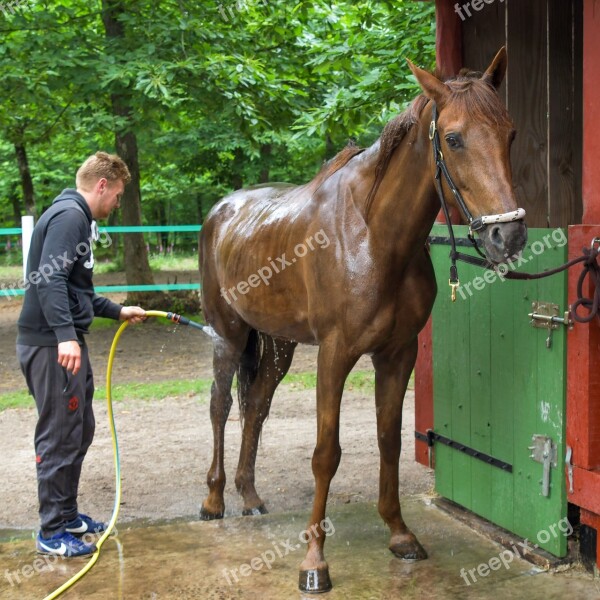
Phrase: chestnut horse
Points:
(341, 262)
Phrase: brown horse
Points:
(342, 263)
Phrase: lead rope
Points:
(591, 268)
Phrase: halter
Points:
(475, 225)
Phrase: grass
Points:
(11, 268)
(158, 262)
(102, 323)
(156, 391)
(357, 380)
(11, 272)
(125, 391)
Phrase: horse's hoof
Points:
(410, 550)
(314, 581)
(254, 512)
(206, 515)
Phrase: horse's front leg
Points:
(334, 364)
(392, 372)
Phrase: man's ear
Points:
(495, 73)
(102, 184)
(432, 87)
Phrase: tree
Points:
(137, 267)
(199, 97)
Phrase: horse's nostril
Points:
(496, 236)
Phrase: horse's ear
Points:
(495, 73)
(432, 87)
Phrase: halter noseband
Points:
(476, 225)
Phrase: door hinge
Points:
(543, 450)
(545, 315)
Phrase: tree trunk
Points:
(137, 267)
(237, 180)
(26, 181)
(16, 205)
(113, 220)
(161, 217)
(330, 149)
(266, 151)
(200, 210)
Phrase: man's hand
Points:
(133, 314)
(69, 355)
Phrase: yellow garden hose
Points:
(115, 444)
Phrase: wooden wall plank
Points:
(448, 39)
(591, 113)
(528, 106)
(564, 203)
(577, 134)
(483, 36)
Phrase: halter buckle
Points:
(432, 130)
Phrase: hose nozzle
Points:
(175, 318)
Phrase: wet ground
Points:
(228, 560)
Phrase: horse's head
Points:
(472, 134)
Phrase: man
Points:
(58, 308)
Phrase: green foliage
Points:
(223, 93)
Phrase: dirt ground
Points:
(166, 445)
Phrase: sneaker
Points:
(63, 544)
(84, 524)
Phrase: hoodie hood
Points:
(73, 194)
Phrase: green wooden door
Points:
(497, 384)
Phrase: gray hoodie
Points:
(60, 302)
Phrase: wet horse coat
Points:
(341, 262)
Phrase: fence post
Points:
(26, 233)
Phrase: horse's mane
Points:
(469, 92)
(335, 164)
(391, 136)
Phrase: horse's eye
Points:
(454, 141)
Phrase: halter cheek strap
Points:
(475, 225)
(480, 223)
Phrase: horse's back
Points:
(245, 235)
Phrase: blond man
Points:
(59, 306)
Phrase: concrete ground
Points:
(227, 560)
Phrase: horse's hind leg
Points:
(392, 372)
(226, 357)
(274, 363)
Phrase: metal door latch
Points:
(544, 315)
(568, 458)
(544, 451)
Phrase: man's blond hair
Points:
(99, 165)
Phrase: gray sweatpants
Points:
(64, 431)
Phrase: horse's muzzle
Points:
(504, 241)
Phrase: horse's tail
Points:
(248, 367)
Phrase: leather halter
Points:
(476, 225)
